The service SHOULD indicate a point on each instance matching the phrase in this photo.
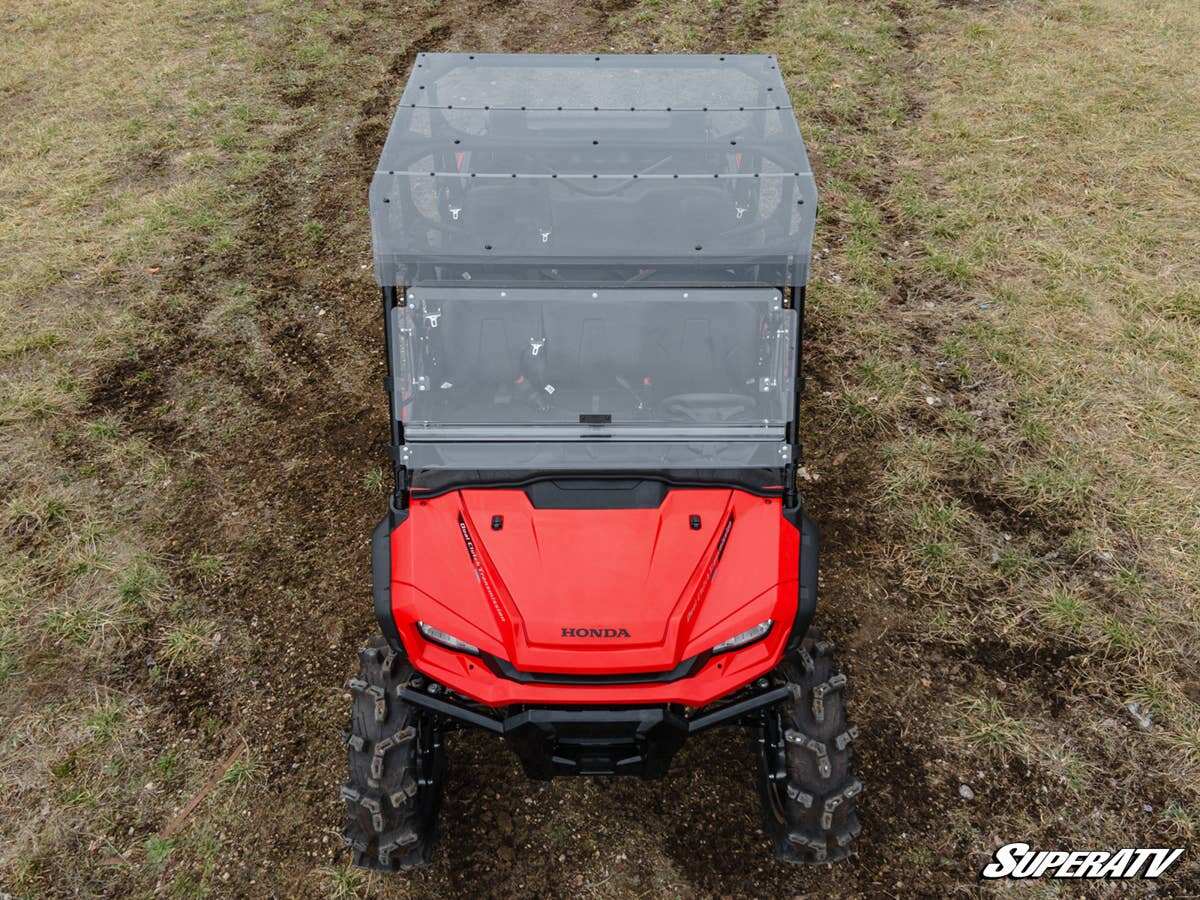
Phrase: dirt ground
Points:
(273, 430)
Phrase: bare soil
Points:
(281, 497)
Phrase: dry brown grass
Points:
(1002, 433)
(125, 128)
(1049, 191)
(1058, 162)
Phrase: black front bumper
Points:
(590, 740)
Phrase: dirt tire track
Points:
(297, 597)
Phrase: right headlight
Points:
(749, 636)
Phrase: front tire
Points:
(806, 782)
(397, 767)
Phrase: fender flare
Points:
(810, 553)
(381, 574)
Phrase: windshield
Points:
(576, 365)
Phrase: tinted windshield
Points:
(539, 364)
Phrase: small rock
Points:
(1140, 715)
(965, 792)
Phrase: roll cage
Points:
(525, 172)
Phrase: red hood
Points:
(605, 570)
(579, 590)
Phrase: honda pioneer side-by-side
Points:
(593, 273)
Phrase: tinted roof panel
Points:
(503, 169)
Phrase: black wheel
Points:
(805, 780)
(397, 767)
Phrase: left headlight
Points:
(749, 636)
(446, 640)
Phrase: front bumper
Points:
(696, 682)
(639, 740)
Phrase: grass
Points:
(343, 883)
(187, 643)
(1082, 255)
(157, 851)
(243, 773)
(125, 128)
(1006, 306)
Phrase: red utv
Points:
(593, 274)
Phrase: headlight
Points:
(446, 640)
(749, 636)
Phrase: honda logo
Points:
(595, 633)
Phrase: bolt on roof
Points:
(593, 170)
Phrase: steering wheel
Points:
(706, 407)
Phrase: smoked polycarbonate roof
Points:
(589, 170)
